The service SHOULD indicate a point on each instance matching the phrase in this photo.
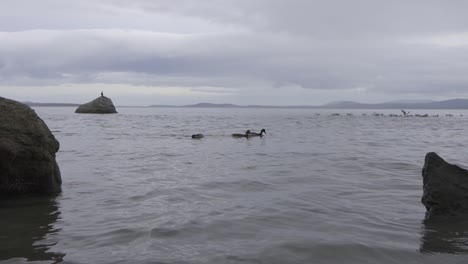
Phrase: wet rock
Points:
(100, 105)
(27, 151)
(445, 187)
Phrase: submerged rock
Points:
(27, 151)
(100, 105)
(445, 187)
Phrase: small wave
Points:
(112, 237)
(149, 195)
(239, 259)
(239, 186)
(163, 232)
(311, 251)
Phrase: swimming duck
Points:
(197, 136)
(246, 135)
(254, 134)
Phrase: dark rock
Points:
(100, 105)
(27, 151)
(445, 187)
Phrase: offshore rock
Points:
(445, 187)
(27, 151)
(100, 105)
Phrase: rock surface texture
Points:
(27, 151)
(100, 105)
(445, 187)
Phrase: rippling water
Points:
(317, 189)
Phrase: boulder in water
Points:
(27, 151)
(445, 187)
(100, 105)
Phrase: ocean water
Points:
(316, 189)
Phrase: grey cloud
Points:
(331, 18)
(82, 56)
(323, 45)
(323, 18)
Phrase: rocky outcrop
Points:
(445, 187)
(27, 151)
(100, 105)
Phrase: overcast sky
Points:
(269, 52)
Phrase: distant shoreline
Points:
(454, 104)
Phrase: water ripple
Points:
(317, 189)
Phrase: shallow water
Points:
(317, 189)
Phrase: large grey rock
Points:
(445, 187)
(27, 151)
(100, 105)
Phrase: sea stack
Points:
(445, 187)
(27, 152)
(100, 105)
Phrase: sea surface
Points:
(316, 189)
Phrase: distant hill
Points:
(201, 105)
(411, 101)
(51, 104)
(213, 105)
(400, 104)
(342, 104)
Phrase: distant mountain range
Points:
(401, 104)
(210, 105)
(50, 104)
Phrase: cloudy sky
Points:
(269, 52)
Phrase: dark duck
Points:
(254, 134)
(249, 134)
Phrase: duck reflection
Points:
(27, 229)
(445, 235)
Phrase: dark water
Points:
(316, 189)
